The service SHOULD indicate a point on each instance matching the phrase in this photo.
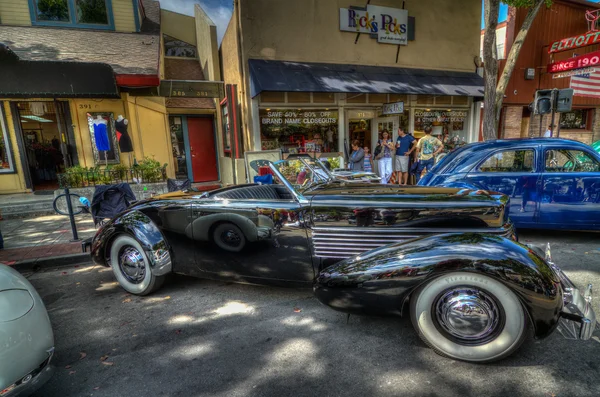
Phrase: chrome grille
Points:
(345, 242)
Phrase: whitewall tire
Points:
(131, 267)
(469, 317)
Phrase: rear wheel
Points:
(469, 317)
(229, 237)
(131, 267)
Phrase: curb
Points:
(53, 261)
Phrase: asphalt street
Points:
(203, 338)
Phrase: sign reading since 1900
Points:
(389, 24)
(582, 61)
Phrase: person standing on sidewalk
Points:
(428, 147)
(404, 147)
(356, 160)
(385, 161)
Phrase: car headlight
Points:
(14, 304)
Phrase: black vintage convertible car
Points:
(447, 257)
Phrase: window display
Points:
(299, 131)
(574, 120)
(178, 143)
(450, 125)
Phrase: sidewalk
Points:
(44, 238)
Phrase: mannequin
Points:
(123, 138)
(101, 136)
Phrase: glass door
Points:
(389, 124)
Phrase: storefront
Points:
(325, 125)
(315, 85)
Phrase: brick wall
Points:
(596, 126)
(534, 124)
(577, 135)
(512, 122)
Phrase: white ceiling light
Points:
(36, 118)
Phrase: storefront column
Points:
(255, 133)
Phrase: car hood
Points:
(406, 193)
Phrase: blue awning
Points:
(327, 77)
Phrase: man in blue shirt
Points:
(404, 147)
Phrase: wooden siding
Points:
(123, 14)
(15, 12)
(560, 21)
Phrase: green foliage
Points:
(92, 11)
(150, 170)
(53, 10)
(334, 162)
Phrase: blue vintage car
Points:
(553, 183)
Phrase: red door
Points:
(202, 149)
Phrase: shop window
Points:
(509, 161)
(178, 48)
(298, 97)
(449, 125)
(564, 160)
(460, 100)
(96, 14)
(178, 144)
(323, 97)
(104, 138)
(226, 129)
(356, 98)
(378, 98)
(398, 98)
(574, 120)
(6, 159)
(443, 100)
(299, 131)
(272, 97)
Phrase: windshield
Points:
(304, 172)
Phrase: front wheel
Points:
(131, 267)
(469, 317)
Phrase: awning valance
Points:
(266, 75)
(57, 79)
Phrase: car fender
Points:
(199, 229)
(382, 280)
(139, 226)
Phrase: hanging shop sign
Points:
(579, 62)
(390, 25)
(393, 108)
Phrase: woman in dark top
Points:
(355, 162)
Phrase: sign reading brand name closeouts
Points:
(570, 43)
(389, 24)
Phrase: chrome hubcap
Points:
(468, 315)
(231, 238)
(132, 265)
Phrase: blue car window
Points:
(567, 160)
(509, 161)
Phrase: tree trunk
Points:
(513, 55)
(490, 64)
(494, 87)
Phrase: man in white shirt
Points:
(548, 133)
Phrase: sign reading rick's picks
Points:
(389, 24)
